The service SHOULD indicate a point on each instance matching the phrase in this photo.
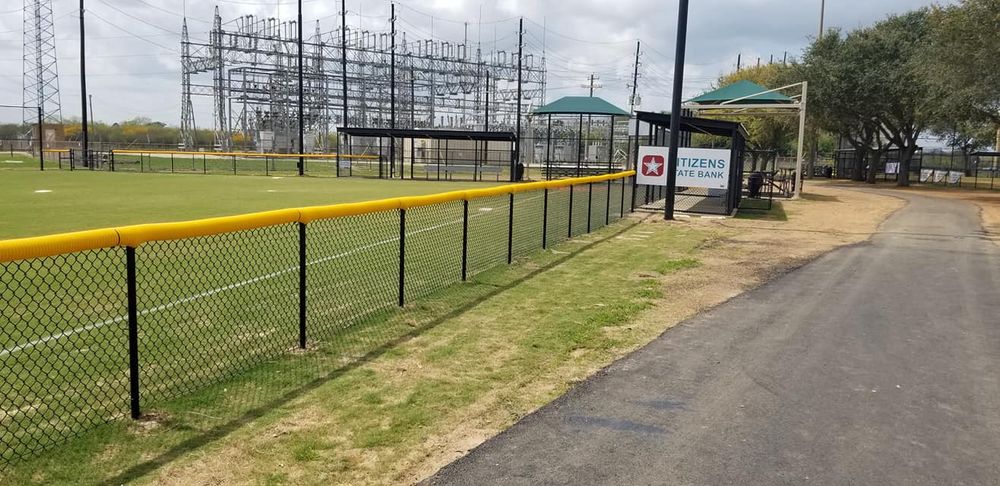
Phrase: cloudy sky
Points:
(133, 65)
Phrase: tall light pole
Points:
(83, 91)
(302, 117)
(675, 109)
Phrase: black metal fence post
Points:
(402, 253)
(590, 200)
(171, 163)
(302, 286)
(465, 238)
(133, 333)
(607, 205)
(510, 228)
(621, 209)
(570, 231)
(545, 218)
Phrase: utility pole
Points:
(90, 101)
(633, 101)
(302, 114)
(392, 86)
(822, 13)
(83, 90)
(520, 80)
(739, 60)
(675, 109)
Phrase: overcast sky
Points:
(133, 65)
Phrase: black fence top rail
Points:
(434, 134)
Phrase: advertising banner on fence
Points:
(696, 167)
(954, 177)
(925, 175)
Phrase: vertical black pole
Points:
(302, 286)
(465, 238)
(611, 143)
(510, 229)
(41, 141)
(171, 162)
(133, 333)
(622, 208)
(343, 65)
(402, 254)
(520, 51)
(607, 205)
(579, 147)
(590, 200)
(675, 110)
(545, 218)
(204, 164)
(569, 233)
(83, 90)
(392, 85)
(302, 116)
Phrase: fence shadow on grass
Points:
(489, 290)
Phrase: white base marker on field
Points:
(13, 162)
(43, 191)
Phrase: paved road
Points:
(875, 364)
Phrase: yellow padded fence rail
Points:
(257, 155)
(135, 235)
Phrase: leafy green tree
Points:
(866, 85)
(960, 63)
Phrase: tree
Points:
(961, 60)
(867, 87)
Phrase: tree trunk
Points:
(858, 174)
(873, 161)
(905, 157)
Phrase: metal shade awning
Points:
(694, 124)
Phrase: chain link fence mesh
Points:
(226, 316)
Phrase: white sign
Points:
(696, 167)
(891, 168)
(939, 175)
(954, 177)
(925, 175)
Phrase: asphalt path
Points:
(877, 363)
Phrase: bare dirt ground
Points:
(737, 255)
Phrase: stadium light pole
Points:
(302, 117)
(83, 90)
(675, 109)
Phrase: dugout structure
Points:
(575, 137)
(429, 154)
(696, 199)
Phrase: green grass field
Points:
(85, 200)
(215, 308)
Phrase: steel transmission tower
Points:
(188, 129)
(41, 78)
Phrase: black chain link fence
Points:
(95, 336)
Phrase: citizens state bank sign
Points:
(696, 167)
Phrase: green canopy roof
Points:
(580, 105)
(738, 90)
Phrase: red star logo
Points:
(652, 165)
